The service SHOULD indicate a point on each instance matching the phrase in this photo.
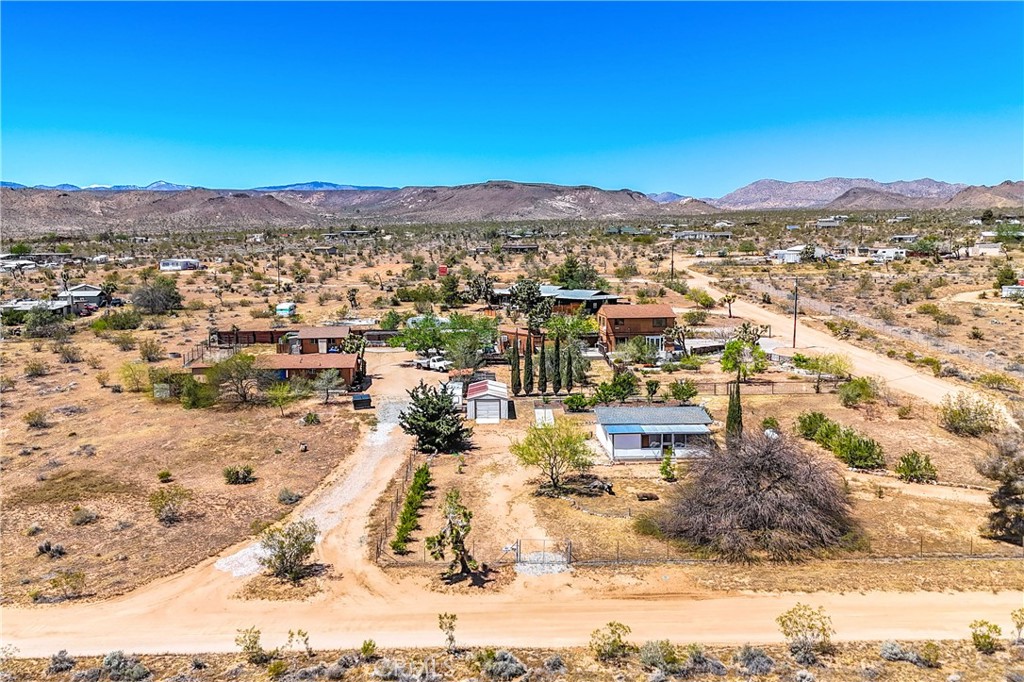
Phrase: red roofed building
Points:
(617, 324)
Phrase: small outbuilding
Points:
(487, 402)
(633, 434)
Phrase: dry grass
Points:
(850, 663)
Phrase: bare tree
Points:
(762, 496)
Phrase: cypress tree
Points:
(734, 417)
(517, 384)
(528, 365)
(568, 369)
(542, 370)
(556, 374)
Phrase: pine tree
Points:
(434, 420)
(542, 370)
(556, 368)
(528, 365)
(734, 417)
(569, 371)
(517, 383)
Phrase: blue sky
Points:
(694, 98)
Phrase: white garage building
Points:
(487, 402)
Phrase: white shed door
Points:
(488, 411)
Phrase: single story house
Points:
(986, 250)
(83, 293)
(617, 324)
(700, 236)
(25, 305)
(794, 254)
(634, 434)
(285, 366)
(833, 221)
(178, 264)
(519, 247)
(888, 254)
(904, 238)
(246, 336)
(487, 402)
(325, 250)
(344, 234)
(565, 300)
(314, 340)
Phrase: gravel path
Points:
(327, 507)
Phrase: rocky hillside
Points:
(34, 210)
(1006, 195)
(865, 199)
(767, 194)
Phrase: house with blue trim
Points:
(639, 434)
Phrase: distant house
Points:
(700, 236)
(487, 402)
(518, 247)
(178, 264)
(833, 221)
(794, 254)
(325, 250)
(314, 340)
(344, 234)
(618, 324)
(256, 238)
(887, 254)
(904, 238)
(898, 219)
(283, 366)
(636, 434)
(566, 300)
(723, 223)
(986, 250)
(83, 293)
(29, 304)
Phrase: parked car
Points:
(439, 364)
(116, 302)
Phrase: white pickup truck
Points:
(436, 363)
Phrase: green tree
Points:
(542, 368)
(638, 351)
(21, 249)
(734, 417)
(526, 299)
(481, 288)
(683, 390)
(556, 449)
(517, 382)
(285, 550)
(451, 294)
(570, 327)
(569, 373)
(556, 367)
(434, 420)
(573, 273)
(651, 386)
(238, 378)
(743, 358)
(1005, 276)
(1004, 465)
(390, 321)
(528, 365)
(452, 536)
(158, 296)
(280, 394)
(830, 364)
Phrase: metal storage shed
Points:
(487, 402)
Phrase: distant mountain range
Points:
(163, 205)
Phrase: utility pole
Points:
(796, 305)
(672, 271)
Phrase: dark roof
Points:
(652, 415)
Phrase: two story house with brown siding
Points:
(617, 324)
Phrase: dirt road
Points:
(193, 612)
(925, 387)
